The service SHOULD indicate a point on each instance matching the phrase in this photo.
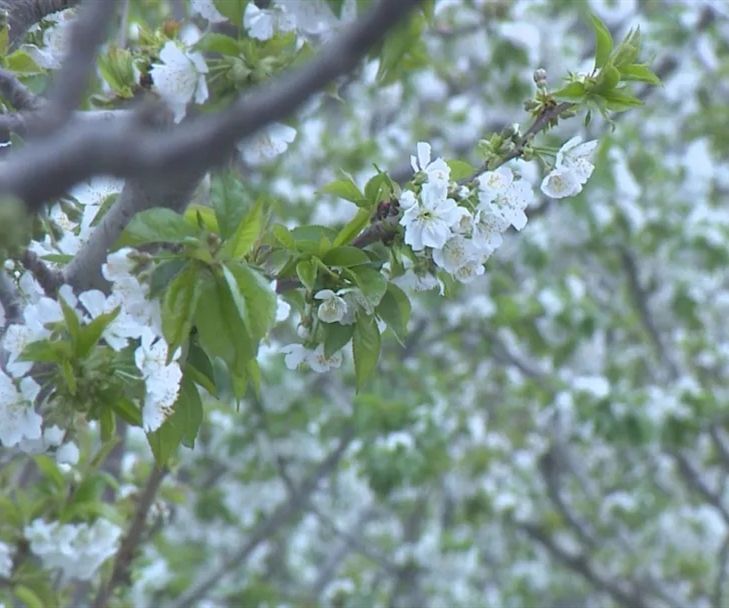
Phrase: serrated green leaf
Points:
(90, 334)
(228, 199)
(345, 257)
(156, 225)
(307, 270)
(213, 42)
(49, 469)
(344, 188)
(377, 189)
(188, 412)
(460, 169)
(73, 325)
(178, 307)
(28, 597)
(260, 300)
(247, 232)
(366, 349)
(603, 41)
(607, 80)
(283, 236)
(394, 309)
(335, 337)
(201, 217)
(371, 282)
(127, 411)
(571, 91)
(639, 72)
(352, 228)
(21, 63)
(620, 101)
(232, 9)
(236, 296)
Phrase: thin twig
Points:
(285, 512)
(50, 280)
(129, 544)
(20, 97)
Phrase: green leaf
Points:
(107, 424)
(73, 325)
(22, 63)
(603, 41)
(371, 282)
(156, 225)
(188, 412)
(200, 369)
(228, 199)
(260, 300)
(236, 297)
(335, 337)
(28, 597)
(247, 232)
(399, 43)
(306, 270)
(378, 188)
(178, 307)
(117, 69)
(640, 72)
(232, 9)
(313, 239)
(127, 411)
(163, 274)
(218, 43)
(44, 351)
(345, 188)
(352, 228)
(49, 469)
(460, 169)
(345, 257)
(283, 236)
(165, 441)
(620, 101)
(607, 80)
(202, 217)
(571, 91)
(366, 349)
(394, 309)
(90, 334)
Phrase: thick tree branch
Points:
(24, 13)
(84, 271)
(131, 541)
(88, 31)
(16, 92)
(48, 167)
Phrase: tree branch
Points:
(24, 13)
(16, 92)
(76, 152)
(70, 82)
(129, 544)
(285, 512)
(581, 565)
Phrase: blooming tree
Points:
(362, 303)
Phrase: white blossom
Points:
(77, 550)
(572, 169)
(68, 453)
(428, 223)
(333, 307)
(267, 144)
(207, 10)
(262, 24)
(319, 362)
(18, 419)
(438, 171)
(180, 78)
(56, 39)
(295, 355)
(162, 381)
(561, 183)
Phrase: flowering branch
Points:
(72, 154)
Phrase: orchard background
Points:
(351, 303)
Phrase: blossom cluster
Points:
(77, 550)
(137, 323)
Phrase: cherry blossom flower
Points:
(572, 169)
(438, 171)
(263, 23)
(180, 78)
(267, 144)
(18, 419)
(162, 381)
(428, 224)
(333, 307)
(561, 183)
(319, 362)
(207, 10)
